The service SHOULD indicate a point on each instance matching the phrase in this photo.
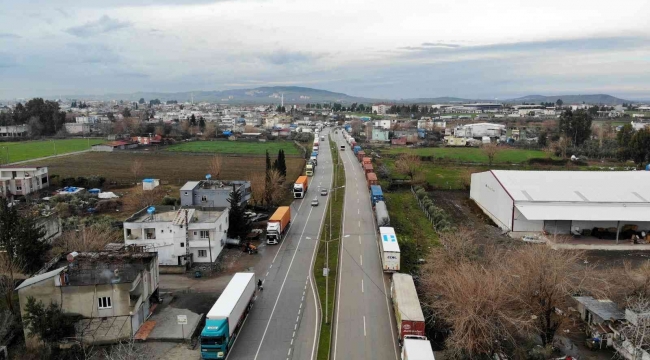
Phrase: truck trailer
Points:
(376, 194)
(278, 224)
(417, 348)
(300, 187)
(225, 318)
(356, 149)
(371, 178)
(381, 214)
(408, 312)
(360, 155)
(390, 254)
(367, 168)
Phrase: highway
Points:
(365, 326)
(283, 323)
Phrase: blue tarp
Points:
(94, 191)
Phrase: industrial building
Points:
(604, 204)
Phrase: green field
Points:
(414, 231)
(469, 154)
(236, 147)
(27, 150)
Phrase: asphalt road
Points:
(365, 326)
(283, 321)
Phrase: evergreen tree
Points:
(50, 324)
(281, 163)
(201, 123)
(21, 237)
(576, 126)
(238, 221)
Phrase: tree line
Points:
(43, 117)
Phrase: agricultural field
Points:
(236, 147)
(176, 168)
(27, 150)
(470, 154)
(414, 231)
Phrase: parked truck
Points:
(309, 169)
(367, 168)
(366, 160)
(225, 318)
(390, 254)
(322, 138)
(417, 348)
(371, 178)
(278, 224)
(376, 194)
(360, 155)
(408, 313)
(300, 187)
(356, 149)
(381, 214)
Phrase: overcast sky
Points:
(381, 48)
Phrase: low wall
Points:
(169, 269)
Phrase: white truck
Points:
(417, 348)
(390, 254)
(224, 320)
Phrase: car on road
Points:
(323, 192)
(314, 202)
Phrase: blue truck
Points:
(226, 317)
(356, 149)
(376, 194)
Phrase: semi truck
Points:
(309, 169)
(356, 149)
(360, 155)
(381, 214)
(278, 224)
(371, 178)
(408, 312)
(322, 138)
(366, 160)
(367, 168)
(390, 254)
(225, 318)
(417, 348)
(300, 187)
(376, 194)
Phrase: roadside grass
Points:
(28, 150)
(469, 154)
(415, 234)
(237, 147)
(336, 204)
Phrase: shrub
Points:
(168, 200)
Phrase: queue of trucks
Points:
(300, 187)
(278, 224)
(408, 312)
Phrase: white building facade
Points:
(19, 181)
(180, 235)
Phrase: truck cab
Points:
(214, 339)
(309, 170)
(273, 233)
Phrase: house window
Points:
(104, 302)
(204, 198)
(195, 233)
(203, 253)
(186, 193)
(44, 180)
(205, 234)
(18, 188)
(182, 244)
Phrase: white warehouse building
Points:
(564, 202)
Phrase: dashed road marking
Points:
(267, 274)
(364, 325)
(362, 285)
(361, 259)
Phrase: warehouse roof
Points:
(584, 187)
(585, 212)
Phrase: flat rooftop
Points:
(169, 214)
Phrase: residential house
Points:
(147, 140)
(112, 291)
(213, 193)
(180, 236)
(380, 109)
(379, 134)
(480, 130)
(411, 135)
(384, 124)
(20, 181)
(79, 128)
(115, 145)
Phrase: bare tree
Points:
(216, 165)
(139, 199)
(561, 146)
(10, 268)
(490, 150)
(136, 168)
(250, 129)
(409, 165)
(86, 239)
(636, 331)
(126, 350)
(273, 187)
(210, 130)
(258, 187)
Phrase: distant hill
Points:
(304, 95)
(603, 99)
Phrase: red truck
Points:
(360, 155)
(278, 224)
(366, 160)
(408, 313)
(372, 179)
(368, 168)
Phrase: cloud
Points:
(289, 57)
(440, 45)
(9, 36)
(7, 60)
(103, 25)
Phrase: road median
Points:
(327, 256)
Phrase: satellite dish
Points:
(151, 210)
(208, 177)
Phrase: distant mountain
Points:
(603, 99)
(260, 95)
(304, 95)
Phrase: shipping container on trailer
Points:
(278, 224)
(381, 214)
(406, 304)
(371, 178)
(376, 194)
(390, 253)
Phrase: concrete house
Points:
(18, 181)
(113, 291)
(379, 134)
(179, 236)
(13, 131)
(213, 193)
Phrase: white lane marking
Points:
(295, 252)
(358, 211)
(270, 267)
(360, 259)
(267, 274)
(289, 353)
(361, 285)
(364, 325)
(291, 341)
(359, 239)
(297, 318)
(359, 223)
